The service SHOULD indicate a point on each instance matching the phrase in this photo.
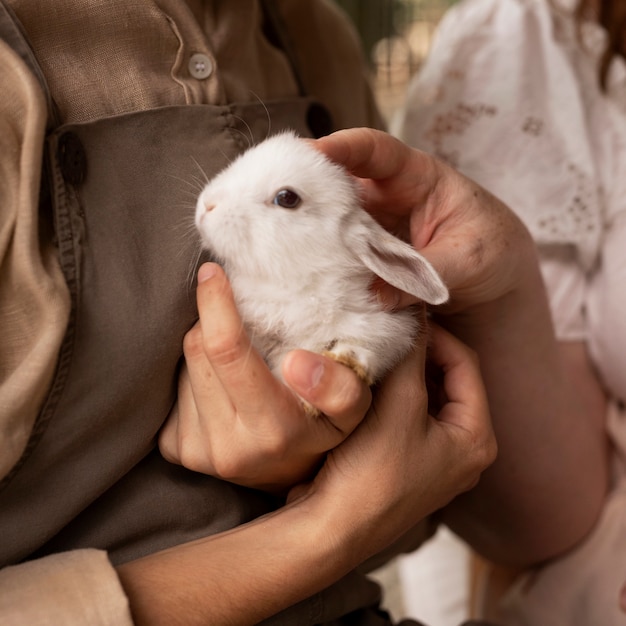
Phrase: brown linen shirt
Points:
(150, 66)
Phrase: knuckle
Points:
(192, 455)
(347, 395)
(490, 452)
(473, 356)
(192, 450)
(168, 449)
(277, 447)
(241, 464)
(224, 349)
(481, 452)
(225, 468)
(484, 452)
(231, 468)
(189, 458)
(220, 349)
(192, 342)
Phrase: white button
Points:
(200, 66)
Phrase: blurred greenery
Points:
(378, 19)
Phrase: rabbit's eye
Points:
(287, 198)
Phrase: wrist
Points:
(337, 534)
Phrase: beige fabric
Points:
(113, 64)
(77, 587)
(34, 304)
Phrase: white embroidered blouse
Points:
(510, 96)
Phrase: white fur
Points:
(301, 277)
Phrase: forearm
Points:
(544, 491)
(244, 575)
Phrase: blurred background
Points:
(431, 585)
(396, 36)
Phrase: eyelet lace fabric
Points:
(510, 97)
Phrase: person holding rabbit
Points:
(273, 515)
(107, 111)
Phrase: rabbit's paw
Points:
(350, 359)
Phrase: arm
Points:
(398, 466)
(545, 490)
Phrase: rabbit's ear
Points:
(395, 261)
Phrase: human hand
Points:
(235, 420)
(401, 464)
(499, 307)
(478, 245)
(398, 465)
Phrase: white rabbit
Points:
(301, 254)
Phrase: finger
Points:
(239, 367)
(365, 152)
(329, 386)
(394, 176)
(168, 438)
(205, 388)
(408, 383)
(403, 190)
(183, 424)
(463, 384)
(184, 436)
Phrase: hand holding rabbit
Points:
(301, 254)
(478, 246)
(235, 420)
(541, 393)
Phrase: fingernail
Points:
(206, 271)
(305, 371)
(315, 375)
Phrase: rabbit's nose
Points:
(208, 208)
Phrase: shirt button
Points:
(200, 66)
